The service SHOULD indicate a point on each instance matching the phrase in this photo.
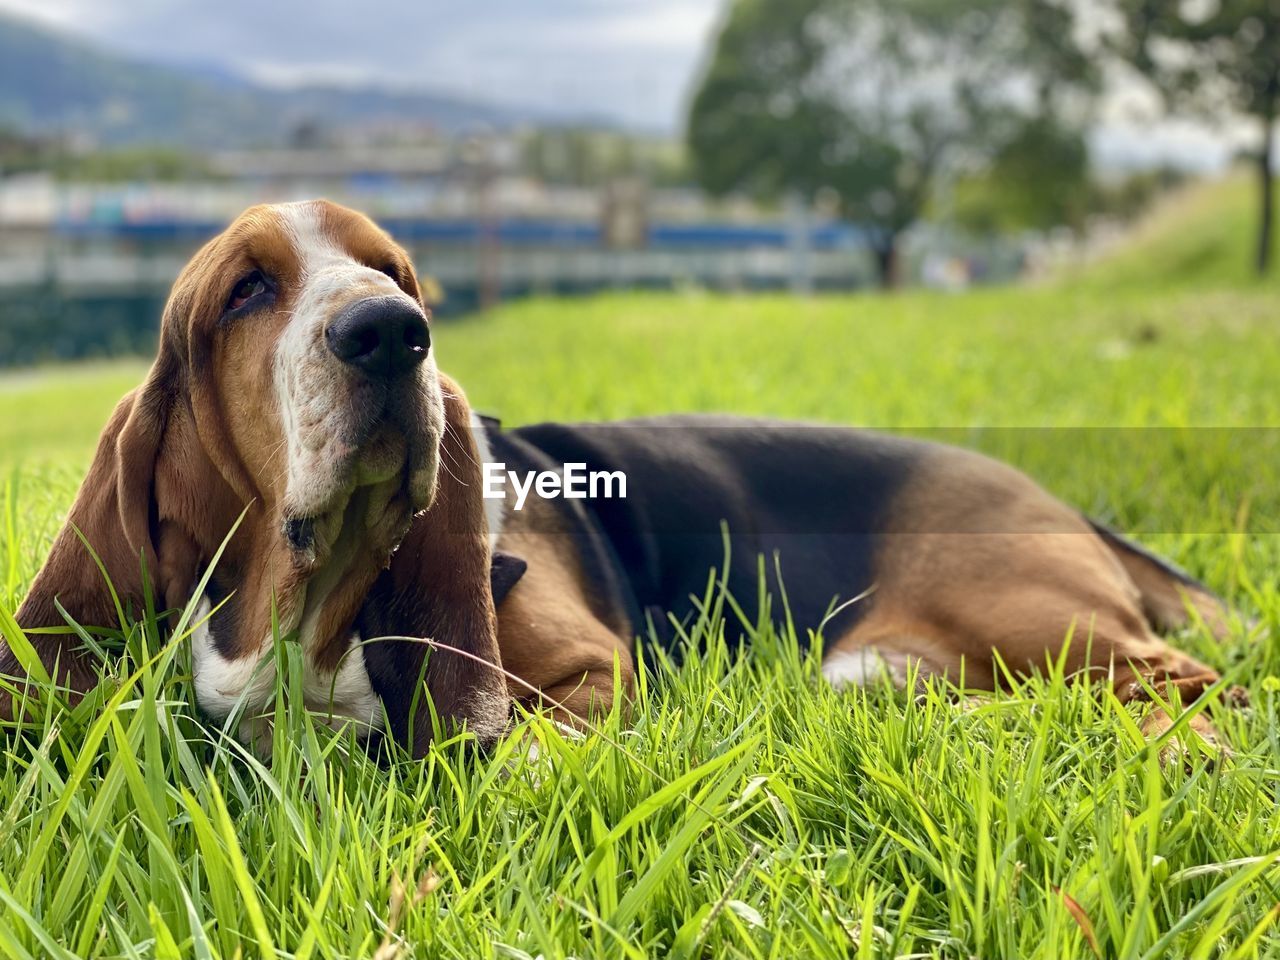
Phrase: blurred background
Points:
(568, 146)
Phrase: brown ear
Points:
(114, 511)
(438, 587)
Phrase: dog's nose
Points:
(383, 336)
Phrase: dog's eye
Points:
(391, 271)
(246, 289)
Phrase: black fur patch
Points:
(504, 573)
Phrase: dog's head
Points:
(308, 353)
(295, 378)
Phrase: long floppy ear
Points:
(114, 511)
(438, 587)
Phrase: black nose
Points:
(383, 336)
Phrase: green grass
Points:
(743, 810)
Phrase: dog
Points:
(295, 391)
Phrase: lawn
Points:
(743, 810)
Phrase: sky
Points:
(632, 61)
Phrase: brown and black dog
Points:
(295, 382)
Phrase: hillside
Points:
(1201, 236)
(51, 83)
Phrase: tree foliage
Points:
(1039, 178)
(1213, 58)
(878, 100)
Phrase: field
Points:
(744, 810)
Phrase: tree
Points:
(1214, 57)
(876, 100)
(1037, 180)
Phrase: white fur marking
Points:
(222, 684)
(347, 696)
(857, 668)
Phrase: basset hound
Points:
(296, 384)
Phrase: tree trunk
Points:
(1267, 178)
(888, 272)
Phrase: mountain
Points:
(54, 84)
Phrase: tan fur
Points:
(982, 561)
(1167, 601)
(548, 632)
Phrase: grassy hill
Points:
(743, 810)
(1201, 236)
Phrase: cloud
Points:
(64, 14)
(628, 59)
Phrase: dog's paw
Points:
(1177, 747)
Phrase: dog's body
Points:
(901, 552)
(296, 385)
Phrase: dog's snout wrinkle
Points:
(384, 337)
